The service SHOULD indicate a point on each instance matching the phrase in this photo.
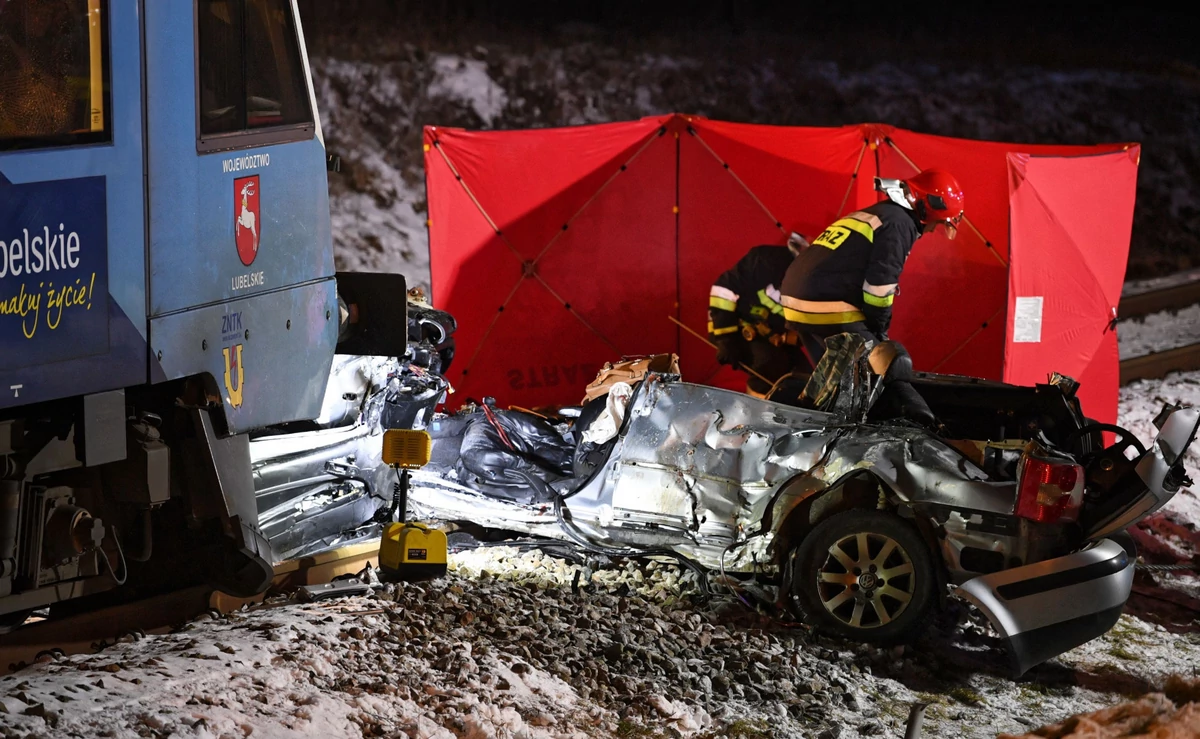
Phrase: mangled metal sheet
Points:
(710, 459)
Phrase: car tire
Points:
(882, 597)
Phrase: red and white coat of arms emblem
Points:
(246, 231)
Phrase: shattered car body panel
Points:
(707, 464)
(920, 471)
(320, 484)
(1159, 471)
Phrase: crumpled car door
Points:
(695, 460)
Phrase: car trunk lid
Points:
(1124, 491)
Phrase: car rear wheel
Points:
(865, 575)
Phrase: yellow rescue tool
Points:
(409, 551)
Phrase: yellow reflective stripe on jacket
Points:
(817, 306)
(877, 301)
(720, 331)
(768, 302)
(858, 227)
(721, 303)
(723, 292)
(822, 319)
(833, 236)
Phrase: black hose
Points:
(345, 476)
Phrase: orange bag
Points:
(630, 370)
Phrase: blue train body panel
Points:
(157, 242)
(242, 232)
(270, 354)
(196, 199)
(73, 312)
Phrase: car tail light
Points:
(1049, 491)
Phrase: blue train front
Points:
(166, 287)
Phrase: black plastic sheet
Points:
(501, 447)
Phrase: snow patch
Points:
(1137, 406)
(1158, 332)
(467, 81)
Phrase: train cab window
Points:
(53, 73)
(251, 78)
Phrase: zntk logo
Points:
(235, 374)
(245, 225)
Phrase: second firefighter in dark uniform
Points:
(746, 321)
(847, 280)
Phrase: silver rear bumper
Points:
(1049, 607)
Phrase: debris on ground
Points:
(1155, 715)
(511, 644)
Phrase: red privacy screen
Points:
(560, 249)
(1071, 220)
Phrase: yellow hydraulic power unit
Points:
(408, 551)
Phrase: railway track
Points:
(1159, 364)
(160, 614)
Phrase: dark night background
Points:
(1052, 73)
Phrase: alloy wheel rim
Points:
(866, 581)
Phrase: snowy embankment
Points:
(505, 647)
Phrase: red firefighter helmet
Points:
(936, 197)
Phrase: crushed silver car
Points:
(321, 484)
(866, 495)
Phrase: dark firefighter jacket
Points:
(850, 272)
(748, 293)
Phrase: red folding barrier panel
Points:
(1071, 219)
(952, 311)
(551, 248)
(743, 185)
(560, 249)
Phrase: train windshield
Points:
(251, 73)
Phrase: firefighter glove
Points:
(732, 350)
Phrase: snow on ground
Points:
(506, 648)
(1137, 287)
(1158, 331)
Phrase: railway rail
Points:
(159, 614)
(1159, 364)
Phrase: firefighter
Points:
(847, 280)
(745, 317)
